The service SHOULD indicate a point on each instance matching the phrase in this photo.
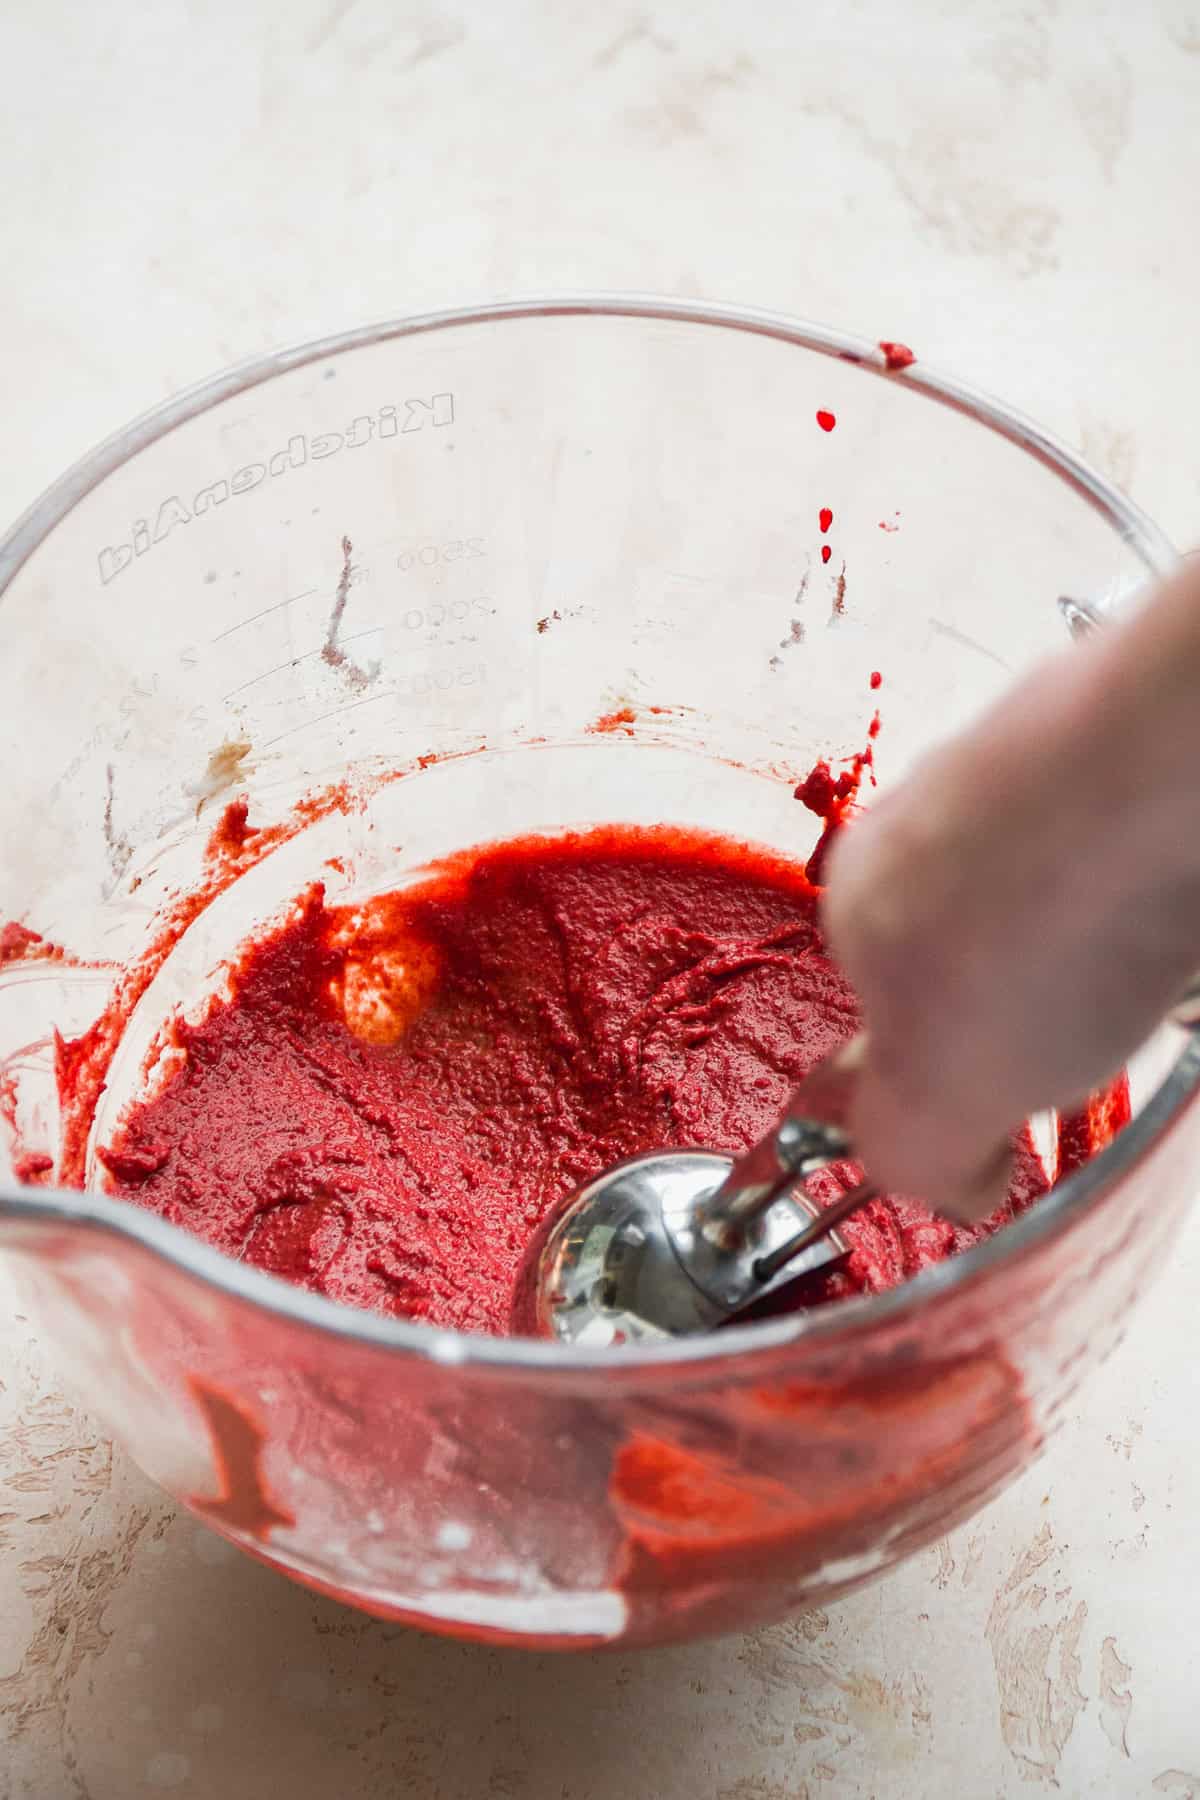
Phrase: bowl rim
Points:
(40, 1208)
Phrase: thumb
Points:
(906, 1149)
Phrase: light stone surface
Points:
(1013, 190)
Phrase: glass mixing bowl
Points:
(466, 576)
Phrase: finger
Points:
(925, 1152)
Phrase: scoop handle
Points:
(810, 1134)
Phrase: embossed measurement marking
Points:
(294, 661)
(335, 712)
(255, 617)
(422, 686)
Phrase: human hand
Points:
(1019, 914)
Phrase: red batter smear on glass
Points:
(622, 720)
(19, 943)
(244, 1502)
(393, 1096)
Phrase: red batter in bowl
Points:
(394, 1095)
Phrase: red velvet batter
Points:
(393, 1097)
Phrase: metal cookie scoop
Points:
(679, 1241)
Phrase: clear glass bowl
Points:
(467, 538)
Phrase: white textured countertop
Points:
(1011, 189)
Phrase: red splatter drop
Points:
(873, 727)
(825, 518)
(832, 797)
(897, 356)
(826, 553)
(31, 1166)
(16, 941)
(826, 420)
(623, 719)
(876, 679)
(888, 525)
(823, 792)
(839, 594)
(231, 831)
(20, 943)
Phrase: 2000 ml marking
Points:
(389, 422)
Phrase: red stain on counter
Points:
(826, 420)
(825, 518)
(897, 356)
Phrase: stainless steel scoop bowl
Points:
(679, 1241)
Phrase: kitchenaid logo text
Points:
(388, 422)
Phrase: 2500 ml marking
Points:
(427, 556)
